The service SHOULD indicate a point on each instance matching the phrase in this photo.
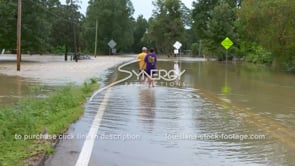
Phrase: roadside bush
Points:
(259, 55)
(195, 49)
(290, 65)
(33, 116)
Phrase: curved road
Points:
(131, 124)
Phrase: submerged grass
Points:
(33, 117)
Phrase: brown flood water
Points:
(250, 88)
(215, 98)
(12, 88)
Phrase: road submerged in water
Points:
(132, 124)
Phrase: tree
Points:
(140, 29)
(35, 26)
(43, 24)
(8, 16)
(65, 31)
(213, 20)
(201, 16)
(220, 25)
(115, 22)
(166, 25)
(271, 24)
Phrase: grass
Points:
(34, 116)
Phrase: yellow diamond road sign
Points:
(227, 43)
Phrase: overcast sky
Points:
(141, 7)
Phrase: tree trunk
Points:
(66, 54)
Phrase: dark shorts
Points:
(151, 72)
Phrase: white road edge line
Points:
(88, 145)
(117, 82)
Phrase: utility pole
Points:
(96, 34)
(74, 31)
(18, 47)
(200, 47)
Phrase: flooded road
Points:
(48, 71)
(12, 89)
(215, 115)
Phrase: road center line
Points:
(88, 145)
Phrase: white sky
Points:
(141, 7)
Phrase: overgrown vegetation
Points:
(54, 27)
(34, 116)
(259, 55)
(263, 32)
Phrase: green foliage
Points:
(140, 29)
(195, 49)
(289, 65)
(58, 50)
(35, 116)
(89, 85)
(166, 25)
(8, 13)
(35, 88)
(213, 21)
(44, 25)
(114, 22)
(258, 54)
(201, 15)
(270, 24)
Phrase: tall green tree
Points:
(43, 24)
(8, 17)
(115, 22)
(65, 31)
(271, 24)
(167, 24)
(140, 29)
(35, 26)
(201, 15)
(213, 20)
(221, 25)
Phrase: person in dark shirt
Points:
(150, 60)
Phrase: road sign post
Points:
(18, 49)
(96, 34)
(177, 45)
(112, 44)
(226, 43)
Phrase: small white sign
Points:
(112, 43)
(176, 51)
(114, 51)
(177, 45)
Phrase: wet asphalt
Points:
(171, 126)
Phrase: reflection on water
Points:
(234, 115)
(194, 124)
(254, 88)
(14, 88)
(179, 127)
(147, 105)
(11, 89)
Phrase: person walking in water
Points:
(141, 62)
(150, 60)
